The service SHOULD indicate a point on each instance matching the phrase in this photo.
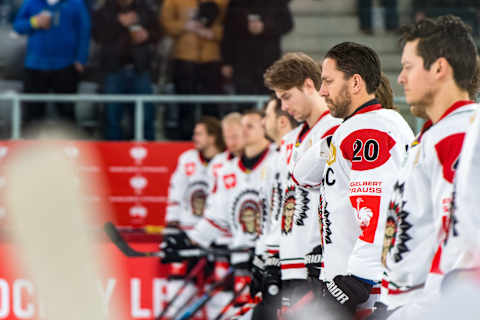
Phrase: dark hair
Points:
(278, 110)
(353, 58)
(214, 128)
(474, 88)
(292, 70)
(448, 37)
(384, 93)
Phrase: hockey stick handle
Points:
(231, 302)
(190, 312)
(192, 274)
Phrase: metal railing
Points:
(17, 98)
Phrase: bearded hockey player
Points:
(439, 63)
(365, 155)
(237, 204)
(296, 80)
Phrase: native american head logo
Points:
(288, 210)
(197, 201)
(250, 217)
(389, 238)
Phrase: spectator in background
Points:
(126, 31)
(58, 42)
(196, 27)
(467, 10)
(365, 14)
(253, 31)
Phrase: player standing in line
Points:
(439, 63)
(266, 270)
(296, 80)
(189, 189)
(365, 154)
(237, 204)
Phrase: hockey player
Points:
(438, 67)
(266, 269)
(365, 154)
(237, 205)
(189, 189)
(296, 80)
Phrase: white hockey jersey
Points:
(300, 230)
(237, 206)
(366, 153)
(271, 239)
(189, 188)
(420, 206)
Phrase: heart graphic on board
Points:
(138, 153)
(138, 183)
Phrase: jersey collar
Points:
(262, 157)
(305, 129)
(455, 106)
(368, 106)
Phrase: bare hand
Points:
(43, 20)
(227, 71)
(79, 67)
(127, 19)
(192, 26)
(255, 27)
(139, 35)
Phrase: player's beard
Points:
(339, 108)
(419, 108)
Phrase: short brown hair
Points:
(258, 112)
(292, 70)
(214, 129)
(448, 37)
(474, 87)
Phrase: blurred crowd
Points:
(168, 46)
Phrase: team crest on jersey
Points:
(288, 211)
(190, 168)
(248, 210)
(396, 232)
(230, 180)
(198, 197)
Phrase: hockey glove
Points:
(172, 244)
(256, 285)
(348, 291)
(272, 281)
(313, 262)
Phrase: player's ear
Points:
(308, 86)
(356, 83)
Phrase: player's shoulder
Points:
(189, 155)
(456, 121)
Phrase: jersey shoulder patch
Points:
(367, 149)
(448, 152)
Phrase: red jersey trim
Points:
(301, 135)
(455, 106)
(263, 156)
(216, 225)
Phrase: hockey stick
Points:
(117, 239)
(231, 302)
(190, 312)
(192, 274)
(307, 298)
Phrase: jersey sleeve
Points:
(308, 170)
(215, 222)
(176, 190)
(369, 154)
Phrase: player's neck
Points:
(358, 101)
(255, 149)
(281, 133)
(210, 152)
(318, 109)
(443, 100)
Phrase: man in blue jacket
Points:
(58, 41)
